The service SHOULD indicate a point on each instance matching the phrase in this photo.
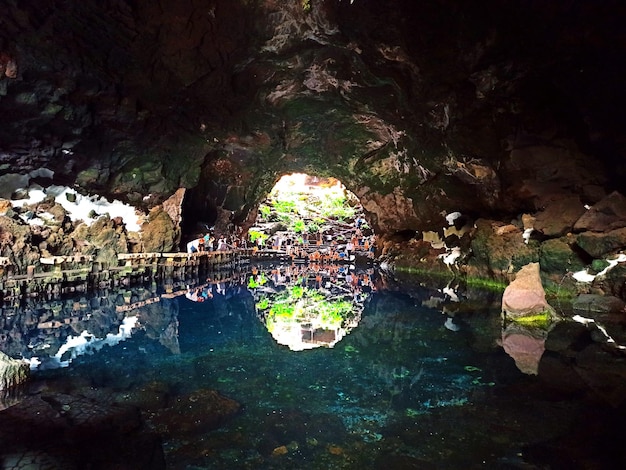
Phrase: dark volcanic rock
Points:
(608, 214)
(75, 432)
(599, 245)
(559, 216)
(491, 115)
(556, 256)
(594, 304)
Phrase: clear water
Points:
(406, 387)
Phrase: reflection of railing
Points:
(57, 275)
(312, 253)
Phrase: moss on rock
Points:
(159, 234)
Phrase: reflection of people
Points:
(197, 294)
(194, 295)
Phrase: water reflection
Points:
(300, 307)
(307, 308)
(52, 334)
(420, 382)
(525, 345)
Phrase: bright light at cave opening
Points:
(317, 188)
(310, 207)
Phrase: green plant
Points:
(299, 226)
(265, 211)
(541, 320)
(285, 207)
(254, 235)
(263, 304)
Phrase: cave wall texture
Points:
(421, 108)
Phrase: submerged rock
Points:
(201, 411)
(593, 303)
(82, 430)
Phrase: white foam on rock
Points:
(585, 276)
(451, 256)
(526, 234)
(452, 217)
(82, 207)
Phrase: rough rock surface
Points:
(525, 296)
(158, 233)
(12, 372)
(599, 245)
(593, 304)
(499, 250)
(607, 214)
(492, 115)
(559, 216)
(156, 96)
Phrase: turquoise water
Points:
(404, 386)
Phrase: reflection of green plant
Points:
(303, 305)
(332, 313)
(297, 292)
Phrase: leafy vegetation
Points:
(303, 305)
(254, 235)
(297, 204)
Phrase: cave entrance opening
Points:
(310, 210)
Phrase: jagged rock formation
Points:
(12, 374)
(420, 109)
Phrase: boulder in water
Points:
(525, 296)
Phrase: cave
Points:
(485, 145)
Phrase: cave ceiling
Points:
(420, 108)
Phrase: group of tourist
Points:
(314, 247)
(208, 242)
(317, 247)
